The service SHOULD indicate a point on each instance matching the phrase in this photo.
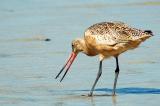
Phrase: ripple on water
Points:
(2, 55)
(108, 5)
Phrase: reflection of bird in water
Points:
(106, 39)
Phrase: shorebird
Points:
(106, 39)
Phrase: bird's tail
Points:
(148, 32)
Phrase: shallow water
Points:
(29, 64)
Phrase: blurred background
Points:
(28, 63)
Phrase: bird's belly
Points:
(108, 50)
(115, 50)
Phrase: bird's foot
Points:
(114, 94)
(90, 95)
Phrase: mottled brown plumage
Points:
(111, 39)
(106, 39)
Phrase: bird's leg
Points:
(98, 76)
(116, 77)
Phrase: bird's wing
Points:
(111, 33)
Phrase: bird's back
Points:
(112, 33)
(115, 37)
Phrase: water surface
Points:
(29, 64)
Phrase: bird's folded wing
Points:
(112, 33)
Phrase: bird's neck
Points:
(87, 50)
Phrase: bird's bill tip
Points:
(67, 65)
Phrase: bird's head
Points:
(77, 46)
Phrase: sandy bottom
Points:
(29, 62)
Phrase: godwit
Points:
(106, 39)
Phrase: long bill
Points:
(67, 66)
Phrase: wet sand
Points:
(29, 64)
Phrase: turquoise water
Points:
(29, 64)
